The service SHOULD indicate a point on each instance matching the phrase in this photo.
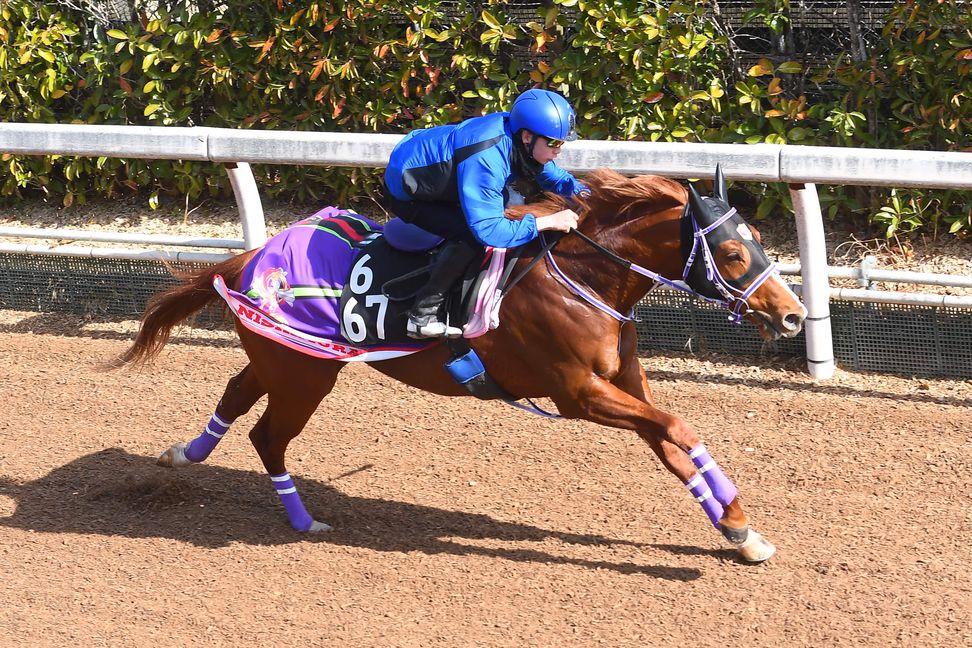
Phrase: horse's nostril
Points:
(792, 322)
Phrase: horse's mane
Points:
(614, 194)
(624, 193)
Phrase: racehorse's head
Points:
(725, 262)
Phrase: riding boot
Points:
(426, 319)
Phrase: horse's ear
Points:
(720, 185)
(695, 200)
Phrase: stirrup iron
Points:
(431, 329)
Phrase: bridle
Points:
(732, 296)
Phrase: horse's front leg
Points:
(631, 379)
(626, 403)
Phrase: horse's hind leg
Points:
(288, 410)
(242, 391)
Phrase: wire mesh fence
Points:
(905, 340)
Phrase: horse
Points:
(564, 334)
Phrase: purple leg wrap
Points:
(200, 447)
(722, 489)
(703, 495)
(300, 519)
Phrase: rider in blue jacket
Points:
(456, 180)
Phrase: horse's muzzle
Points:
(773, 328)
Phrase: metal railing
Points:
(798, 166)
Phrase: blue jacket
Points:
(469, 163)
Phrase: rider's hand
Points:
(563, 221)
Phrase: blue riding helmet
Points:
(544, 113)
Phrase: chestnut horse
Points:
(563, 334)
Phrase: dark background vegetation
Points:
(862, 74)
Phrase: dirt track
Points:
(503, 529)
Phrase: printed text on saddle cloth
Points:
(375, 301)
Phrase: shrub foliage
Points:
(634, 70)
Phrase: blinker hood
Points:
(703, 212)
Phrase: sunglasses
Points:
(554, 143)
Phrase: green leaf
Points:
(151, 108)
(490, 20)
(764, 209)
(117, 33)
(798, 134)
(149, 61)
(790, 67)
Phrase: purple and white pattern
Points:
(201, 447)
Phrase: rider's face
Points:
(542, 151)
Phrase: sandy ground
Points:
(463, 523)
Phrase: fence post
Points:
(248, 202)
(816, 284)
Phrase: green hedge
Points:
(634, 70)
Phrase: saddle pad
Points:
(293, 288)
(379, 292)
(484, 302)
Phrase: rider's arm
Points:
(560, 181)
(481, 179)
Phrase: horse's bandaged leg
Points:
(703, 495)
(722, 489)
(300, 519)
(200, 447)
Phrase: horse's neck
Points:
(654, 245)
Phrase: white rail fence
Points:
(801, 167)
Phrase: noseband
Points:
(732, 296)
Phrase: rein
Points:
(547, 246)
(734, 303)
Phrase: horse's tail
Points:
(166, 309)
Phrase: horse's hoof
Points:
(319, 527)
(756, 548)
(174, 457)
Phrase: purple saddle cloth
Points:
(291, 289)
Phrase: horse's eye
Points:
(735, 256)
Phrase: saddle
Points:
(388, 272)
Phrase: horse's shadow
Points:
(115, 493)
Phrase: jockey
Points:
(455, 181)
